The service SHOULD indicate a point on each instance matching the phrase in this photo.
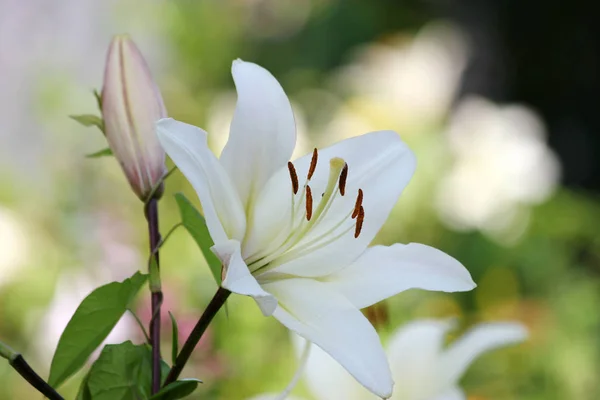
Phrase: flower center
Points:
(308, 231)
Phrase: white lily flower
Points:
(294, 236)
(422, 368)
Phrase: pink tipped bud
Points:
(131, 104)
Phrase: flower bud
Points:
(131, 104)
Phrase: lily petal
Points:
(455, 393)
(382, 271)
(238, 278)
(326, 378)
(379, 163)
(414, 351)
(480, 339)
(187, 147)
(263, 132)
(330, 321)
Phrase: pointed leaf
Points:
(93, 320)
(123, 372)
(177, 390)
(100, 153)
(194, 222)
(98, 97)
(89, 120)
(175, 342)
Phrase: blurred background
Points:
(498, 99)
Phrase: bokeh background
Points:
(498, 99)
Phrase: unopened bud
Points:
(131, 104)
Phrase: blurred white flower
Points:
(14, 245)
(294, 235)
(502, 164)
(416, 78)
(274, 396)
(421, 367)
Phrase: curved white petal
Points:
(382, 271)
(330, 321)
(379, 163)
(238, 278)
(414, 352)
(454, 393)
(480, 339)
(263, 132)
(187, 147)
(326, 378)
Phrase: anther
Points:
(358, 203)
(343, 177)
(294, 177)
(309, 203)
(313, 163)
(359, 221)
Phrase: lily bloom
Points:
(294, 235)
(422, 367)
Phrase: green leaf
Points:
(84, 391)
(98, 97)
(123, 372)
(101, 153)
(195, 224)
(93, 320)
(177, 390)
(89, 120)
(175, 342)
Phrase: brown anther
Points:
(343, 177)
(359, 221)
(309, 203)
(313, 163)
(358, 204)
(294, 177)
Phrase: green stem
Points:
(186, 351)
(19, 364)
(140, 324)
(158, 188)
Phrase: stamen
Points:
(343, 177)
(294, 177)
(359, 222)
(298, 232)
(313, 164)
(358, 204)
(309, 203)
